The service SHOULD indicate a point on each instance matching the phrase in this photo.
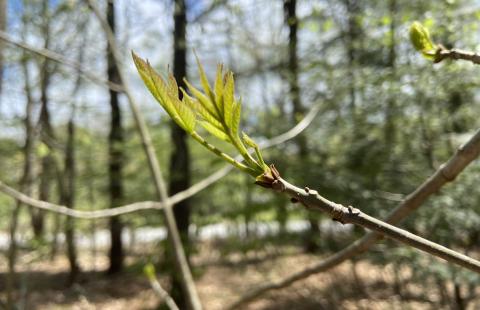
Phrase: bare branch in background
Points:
(60, 59)
(149, 205)
(209, 10)
(44, 205)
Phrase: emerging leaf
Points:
(218, 112)
(218, 88)
(172, 85)
(188, 116)
(237, 110)
(42, 150)
(201, 111)
(166, 94)
(207, 103)
(149, 271)
(203, 78)
(249, 141)
(228, 99)
(217, 132)
(420, 38)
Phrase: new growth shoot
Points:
(215, 108)
(420, 38)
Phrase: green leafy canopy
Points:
(215, 109)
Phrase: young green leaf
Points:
(219, 88)
(149, 271)
(228, 99)
(217, 132)
(172, 86)
(203, 78)
(155, 84)
(420, 38)
(249, 142)
(207, 103)
(237, 110)
(201, 111)
(218, 112)
(187, 115)
(166, 94)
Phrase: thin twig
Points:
(54, 56)
(455, 54)
(446, 173)
(44, 205)
(162, 294)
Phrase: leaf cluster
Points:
(215, 108)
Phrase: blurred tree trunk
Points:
(459, 301)
(248, 210)
(180, 157)
(298, 110)
(92, 201)
(116, 156)
(352, 41)
(68, 192)
(47, 133)
(391, 105)
(68, 176)
(3, 27)
(26, 184)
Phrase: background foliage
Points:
(388, 117)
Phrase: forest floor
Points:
(221, 278)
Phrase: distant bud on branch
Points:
(420, 38)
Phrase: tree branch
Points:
(446, 173)
(44, 205)
(312, 200)
(455, 54)
(162, 294)
(54, 56)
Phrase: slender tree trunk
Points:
(3, 27)
(92, 202)
(47, 133)
(46, 161)
(68, 177)
(180, 157)
(459, 301)
(298, 110)
(391, 105)
(25, 185)
(351, 42)
(68, 199)
(12, 257)
(116, 156)
(248, 211)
